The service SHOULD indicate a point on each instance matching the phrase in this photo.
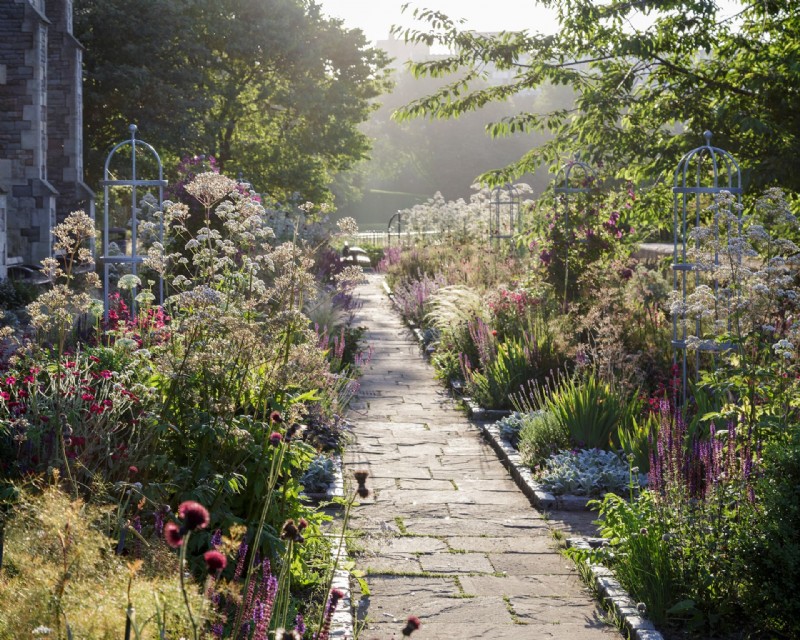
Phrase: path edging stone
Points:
(616, 598)
(478, 413)
(342, 622)
(523, 476)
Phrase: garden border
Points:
(610, 592)
(615, 597)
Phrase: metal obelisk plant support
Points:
(702, 174)
(573, 178)
(135, 184)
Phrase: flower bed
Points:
(184, 428)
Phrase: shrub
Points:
(510, 427)
(772, 555)
(688, 562)
(541, 435)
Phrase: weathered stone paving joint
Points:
(445, 534)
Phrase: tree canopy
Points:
(272, 88)
(649, 75)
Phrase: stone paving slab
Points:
(543, 586)
(448, 537)
(494, 544)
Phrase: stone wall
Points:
(64, 112)
(40, 124)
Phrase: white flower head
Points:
(129, 281)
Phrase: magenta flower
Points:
(412, 624)
(173, 535)
(194, 515)
(275, 439)
(215, 561)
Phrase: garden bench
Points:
(355, 255)
(26, 273)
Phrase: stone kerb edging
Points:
(616, 598)
(479, 414)
(523, 476)
(342, 625)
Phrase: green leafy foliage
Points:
(591, 410)
(773, 550)
(638, 553)
(273, 89)
(689, 65)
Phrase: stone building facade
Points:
(41, 127)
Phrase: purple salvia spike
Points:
(241, 556)
(299, 625)
(216, 539)
(261, 619)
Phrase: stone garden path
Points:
(445, 534)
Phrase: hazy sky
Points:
(375, 17)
